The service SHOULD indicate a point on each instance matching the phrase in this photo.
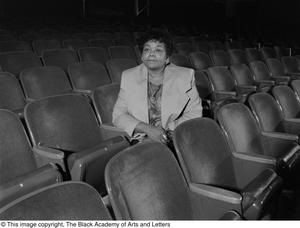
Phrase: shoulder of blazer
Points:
(183, 75)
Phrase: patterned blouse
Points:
(154, 104)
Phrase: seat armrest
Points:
(281, 135)
(255, 158)
(292, 126)
(231, 215)
(294, 73)
(111, 131)
(45, 155)
(216, 193)
(223, 95)
(265, 186)
(89, 165)
(281, 78)
(29, 182)
(265, 82)
(83, 91)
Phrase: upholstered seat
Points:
(63, 201)
(209, 164)
(67, 125)
(145, 182)
(200, 60)
(115, 68)
(249, 141)
(21, 171)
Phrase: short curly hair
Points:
(157, 35)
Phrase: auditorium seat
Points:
(21, 171)
(11, 94)
(288, 102)
(95, 54)
(119, 52)
(237, 56)
(216, 45)
(86, 76)
(7, 37)
(209, 165)
(205, 92)
(281, 51)
(253, 55)
(243, 76)
(203, 46)
(145, 182)
(82, 36)
(126, 41)
(295, 84)
(220, 58)
(62, 201)
(268, 52)
(104, 43)
(40, 82)
(200, 60)
(184, 48)
(224, 85)
(180, 60)
(105, 35)
(249, 142)
(9, 46)
(59, 57)
(15, 62)
(40, 45)
(290, 65)
(115, 68)
(270, 116)
(74, 44)
(261, 72)
(104, 98)
(67, 125)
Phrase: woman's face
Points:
(154, 55)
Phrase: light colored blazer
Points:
(179, 102)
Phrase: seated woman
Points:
(156, 96)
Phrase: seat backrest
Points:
(40, 45)
(216, 45)
(220, 58)
(59, 57)
(290, 64)
(104, 43)
(14, 45)
(242, 74)
(295, 84)
(11, 94)
(267, 111)
(15, 62)
(184, 48)
(15, 149)
(75, 44)
(200, 60)
(203, 153)
(66, 122)
(88, 75)
(117, 52)
(260, 70)
(203, 46)
(286, 98)
(95, 54)
(221, 78)
(275, 67)
(203, 85)
(268, 52)
(243, 132)
(104, 99)
(237, 56)
(143, 181)
(281, 51)
(115, 68)
(180, 60)
(253, 55)
(62, 201)
(127, 41)
(39, 82)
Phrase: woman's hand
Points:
(152, 132)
